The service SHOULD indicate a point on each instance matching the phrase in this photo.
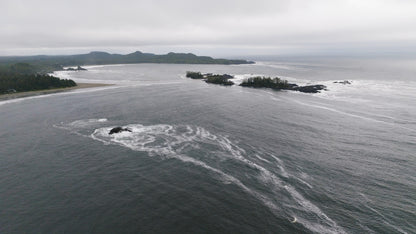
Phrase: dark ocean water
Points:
(204, 158)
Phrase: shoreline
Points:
(4, 97)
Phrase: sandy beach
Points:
(49, 91)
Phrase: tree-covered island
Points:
(256, 82)
(211, 78)
(279, 84)
(266, 82)
(220, 79)
(194, 75)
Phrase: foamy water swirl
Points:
(198, 146)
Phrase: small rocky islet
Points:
(119, 130)
(258, 82)
(78, 68)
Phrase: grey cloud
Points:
(265, 26)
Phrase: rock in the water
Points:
(342, 82)
(311, 88)
(307, 89)
(291, 86)
(118, 130)
(79, 68)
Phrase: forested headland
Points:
(23, 77)
(29, 73)
(53, 63)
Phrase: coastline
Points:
(4, 97)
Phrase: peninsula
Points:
(23, 80)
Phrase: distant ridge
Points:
(101, 58)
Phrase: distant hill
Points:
(49, 63)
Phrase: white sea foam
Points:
(175, 141)
(364, 91)
(280, 165)
(100, 66)
(305, 183)
(87, 122)
(331, 227)
(376, 118)
(261, 158)
(384, 218)
(275, 65)
(167, 137)
(75, 126)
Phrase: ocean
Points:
(205, 158)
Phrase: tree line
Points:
(266, 82)
(23, 77)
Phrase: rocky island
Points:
(279, 84)
(78, 68)
(211, 78)
(256, 82)
(345, 82)
(118, 130)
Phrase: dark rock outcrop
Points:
(307, 88)
(342, 82)
(79, 68)
(118, 130)
(226, 76)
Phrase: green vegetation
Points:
(278, 84)
(194, 75)
(27, 73)
(266, 82)
(23, 77)
(211, 78)
(256, 82)
(219, 79)
(28, 67)
(20, 83)
(45, 64)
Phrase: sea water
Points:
(204, 158)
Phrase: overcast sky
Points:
(209, 27)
